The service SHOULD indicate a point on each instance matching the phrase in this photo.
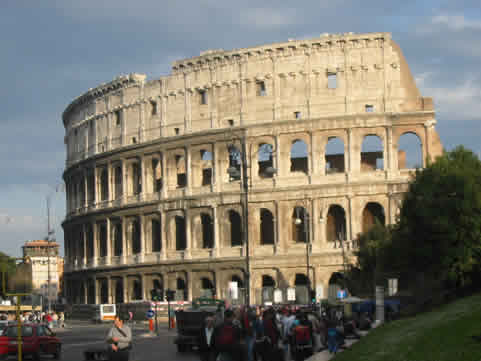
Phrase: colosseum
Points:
(258, 166)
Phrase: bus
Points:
(96, 313)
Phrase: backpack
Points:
(225, 336)
(302, 334)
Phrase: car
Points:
(37, 340)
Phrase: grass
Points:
(443, 334)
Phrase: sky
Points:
(54, 50)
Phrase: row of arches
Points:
(151, 234)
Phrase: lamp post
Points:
(234, 173)
(304, 219)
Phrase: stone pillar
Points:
(389, 164)
(189, 285)
(109, 290)
(165, 170)
(348, 157)
(123, 164)
(109, 242)
(84, 241)
(96, 290)
(218, 284)
(125, 288)
(85, 185)
(349, 231)
(164, 235)
(142, 177)
(188, 235)
(142, 237)
(124, 240)
(215, 217)
(277, 229)
(95, 244)
(96, 185)
(145, 293)
(188, 169)
(85, 295)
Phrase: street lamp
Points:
(243, 175)
(303, 218)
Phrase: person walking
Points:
(119, 339)
(227, 339)
(207, 351)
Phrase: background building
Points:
(225, 171)
(45, 262)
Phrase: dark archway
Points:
(372, 157)
(136, 290)
(265, 160)
(240, 282)
(300, 225)
(102, 240)
(299, 157)
(373, 213)
(180, 235)
(267, 227)
(410, 151)
(156, 235)
(104, 291)
(336, 224)
(334, 156)
(119, 291)
(135, 236)
(207, 231)
(117, 242)
(235, 221)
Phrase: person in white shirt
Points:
(206, 341)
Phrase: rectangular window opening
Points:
(153, 106)
(261, 89)
(297, 115)
(331, 80)
(203, 97)
(369, 108)
(231, 122)
(206, 176)
(117, 117)
(181, 180)
(177, 130)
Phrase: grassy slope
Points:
(441, 335)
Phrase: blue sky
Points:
(54, 50)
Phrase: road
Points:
(80, 336)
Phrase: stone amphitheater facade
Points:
(154, 195)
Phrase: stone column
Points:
(164, 235)
(218, 284)
(85, 185)
(84, 241)
(188, 169)
(277, 229)
(96, 290)
(389, 151)
(109, 290)
(350, 219)
(124, 240)
(95, 244)
(215, 217)
(188, 236)
(143, 177)
(189, 285)
(142, 237)
(165, 170)
(145, 294)
(109, 242)
(125, 288)
(123, 164)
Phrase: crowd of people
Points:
(275, 334)
(52, 319)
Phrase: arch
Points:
(180, 234)
(372, 213)
(118, 181)
(180, 171)
(235, 160)
(410, 152)
(334, 156)
(89, 234)
(265, 160)
(136, 174)
(104, 185)
(136, 289)
(372, 155)
(336, 223)
(268, 281)
(156, 235)
(117, 239)
(91, 292)
(240, 282)
(181, 289)
(102, 227)
(301, 280)
(119, 291)
(207, 230)
(206, 284)
(157, 174)
(299, 157)
(135, 236)
(267, 226)
(235, 222)
(300, 225)
(104, 291)
(206, 163)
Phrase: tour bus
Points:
(104, 313)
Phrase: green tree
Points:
(439, 230)
(8, 267)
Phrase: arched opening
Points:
(181, 291)
(118, 181)
(104, 291)
(180, 236)
(410, 152)
(206, 158)
(235, 160)
(104, 185)
(117, 239)
(268, 286)
(337, 282)
(301, 284)
(207, 287)
(235, 228)
(156, 235)
(299, 157)
(90, 242)
(102, 240)
(119, 292)
(156, 175)
(91, 292)
(267, 227)
(136, 290)
(240, 282)
(372, 154)
(181, 171)
(265, 161)
(207, 231)
(373, 213)
(135, 236)
(90, 187)
(158, 285)
(300, 225)
(136, 178)
(334, 156)
(336, 224)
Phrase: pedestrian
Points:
(207, 351)
(119, 339)
(61, 319)
(228, 337)
(55, 319)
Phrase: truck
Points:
(191, 320)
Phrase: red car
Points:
(37, 340)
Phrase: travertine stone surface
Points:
(149, 197)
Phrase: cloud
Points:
(267, 18)
(456, 22)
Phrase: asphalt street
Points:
(80, 336)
